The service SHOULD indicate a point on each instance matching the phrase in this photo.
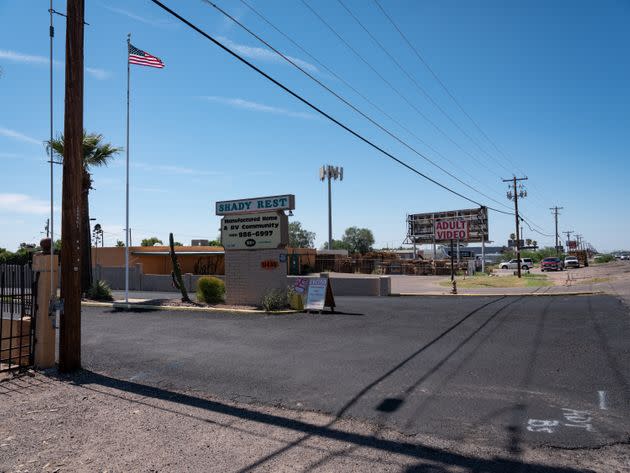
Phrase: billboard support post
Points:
(452, 262)
(453, 282)
(483, 254)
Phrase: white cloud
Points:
(142, 19)
(256, 107)
(264, 54)
(19, 136)
(15, 56)
(22, 203)
(171, 169)
(100, 74)
(24, 58)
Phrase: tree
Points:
(300, 237)
(151, 241)
(120, 243)
(214, 243)
(512, 236)
(358, 240)
(528, 242)
(176, 243)
(96, 153)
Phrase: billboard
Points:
(469, 225)
(572, 244)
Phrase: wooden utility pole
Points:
(514, 194)
(70, 326)
(568, 234)
(556, 213)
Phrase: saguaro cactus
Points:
(176, 274)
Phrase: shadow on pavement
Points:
(417, 451)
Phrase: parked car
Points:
(625, 257)
(551, 263)
(571, 262)
(526, 263)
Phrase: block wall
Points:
(249, 274)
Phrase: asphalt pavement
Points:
(500, 371)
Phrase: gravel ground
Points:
(85, 423)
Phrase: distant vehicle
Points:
(552, 263)
(625, 257)
(571, 262)
(526, 263)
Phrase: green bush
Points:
(276, 299)
(210, 290)
(604, 259)
(100, 291)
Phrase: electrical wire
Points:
(400, 94)
(317, 109)
(351, 87)
(444, 87)
(418, 86)
(345, 101)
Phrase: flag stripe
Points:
(142, 58)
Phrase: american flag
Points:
(142, 58)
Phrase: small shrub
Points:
(604, 259)
(210, 290)
(100, 291)
(275, 299)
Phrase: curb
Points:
(497, 294)
(133, 305)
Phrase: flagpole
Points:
(127, 184)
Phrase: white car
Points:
(526, 263)
(571, 262)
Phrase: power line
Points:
(314, 107)
(360, 112)
(452, 96)
(400, 94)
(351, 87)
(444, 87)
(418, 86)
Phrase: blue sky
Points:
(547, 82)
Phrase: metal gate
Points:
(17, 313)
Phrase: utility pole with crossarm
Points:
(514, 194)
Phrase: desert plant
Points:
(176, 273)
(100, 291)
(275, 299)
(604, 259)
(210, 290)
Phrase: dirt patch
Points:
(483, 281)
(90, 422)
(179, 303)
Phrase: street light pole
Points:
(330, 172)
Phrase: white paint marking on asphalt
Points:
(542, 425)
(603, 405)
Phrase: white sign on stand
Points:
(319, 295)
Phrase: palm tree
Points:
(95, 154)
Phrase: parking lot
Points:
(500, 371)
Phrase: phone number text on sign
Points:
(252, 231)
